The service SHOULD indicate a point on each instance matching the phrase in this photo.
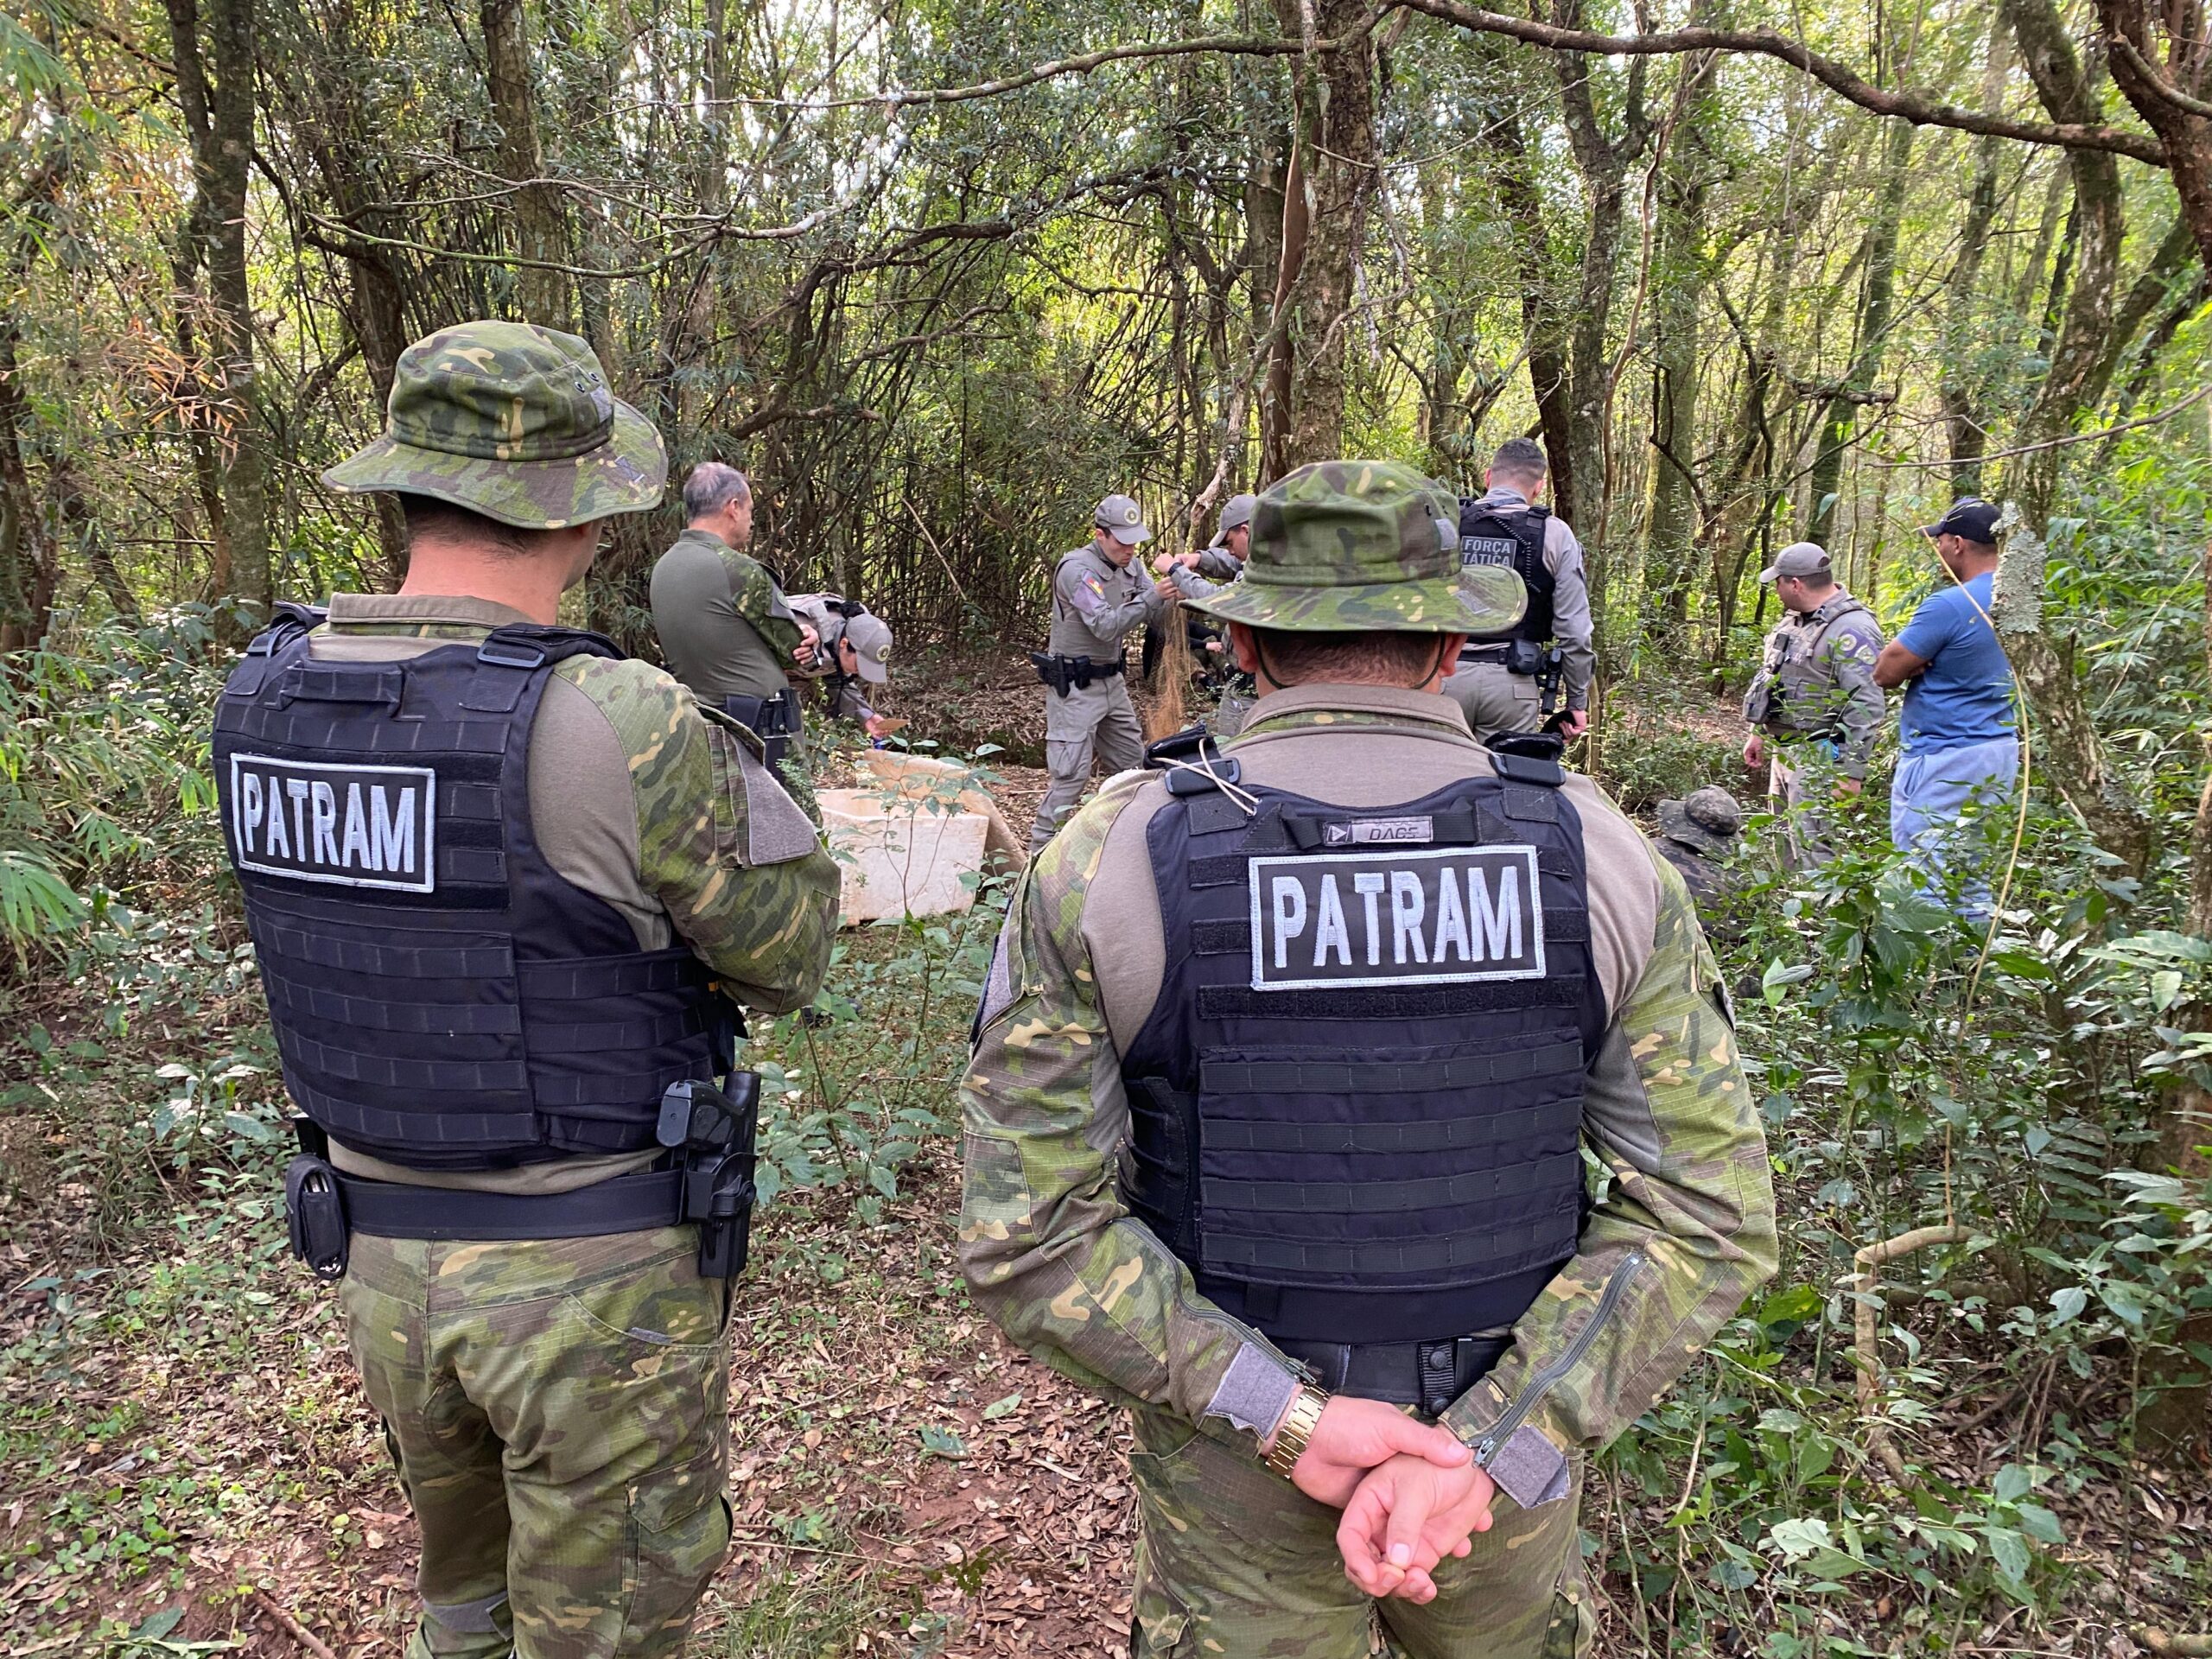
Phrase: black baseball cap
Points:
(1973, 519)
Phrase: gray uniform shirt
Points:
(1570, 595)
(845, 695)
(1096, 604)
(1816, 676)
(1217, 568)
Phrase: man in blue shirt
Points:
(1961, 736)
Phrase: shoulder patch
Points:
(776, 829)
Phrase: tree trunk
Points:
(1962, 386)
(2072, 752)
(1334, 178)
(1671, 515)
(541, 230)
(29, 565)
(2147, 82)
(1840, 424)
(1539, 311)
(215, 90)
(1267, 212)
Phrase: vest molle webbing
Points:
(1356, 1108)
(443, 997)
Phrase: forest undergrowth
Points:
(189, 1468)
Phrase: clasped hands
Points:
(1410, 1493)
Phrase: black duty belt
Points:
(1067, 674)
(626, 1203)
(1499, 654)
(1429, 1375)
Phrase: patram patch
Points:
(354, 826)
(1437, 917)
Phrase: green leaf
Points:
(942, 1443)
(2068, 1303)
(157, 1625)
(251, 1129)
(2165, 990)
(1797, 1539)
(1779, 975)
(2009, 1550)
(2013, 1484)
(999, 1408)
(2040, 1523)
(1792, 1306)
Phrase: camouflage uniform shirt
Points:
(725, 629)
(649, 802)
(1685, 1228)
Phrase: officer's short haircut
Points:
(430, 518)
(1295, 658)
(1520, 458)
(711, 487)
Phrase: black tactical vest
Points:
(1488, 536)
(443, 997)
(1356, 1108)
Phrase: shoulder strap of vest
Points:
(1820, 637)
(287, 622)
(529, 645)
(1529, 758)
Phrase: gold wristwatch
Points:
(1296, 1429)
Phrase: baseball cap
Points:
(1798, 559)
(514, 422)
(1235, 515)
(1973, 519)
(1121, 518)
(1364, 547)
(869, 636)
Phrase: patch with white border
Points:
(346, 825)
(1442, 916)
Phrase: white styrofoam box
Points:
(899, 858)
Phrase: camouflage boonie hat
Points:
(1705, 818)
(514, 422)
(1364, 547)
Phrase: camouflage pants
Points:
(1235, 1562)
(559, 1412)
(1496, 700)
(1097, 721)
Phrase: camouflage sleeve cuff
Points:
(1529, 1469)
(1254, 1391)
(1526, 1464)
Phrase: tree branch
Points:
(1915, 107)
(2158, 83)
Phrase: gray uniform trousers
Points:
(1099, 720)
(1801, 780)
(1495, 699)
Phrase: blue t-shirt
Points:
(1966, 695)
